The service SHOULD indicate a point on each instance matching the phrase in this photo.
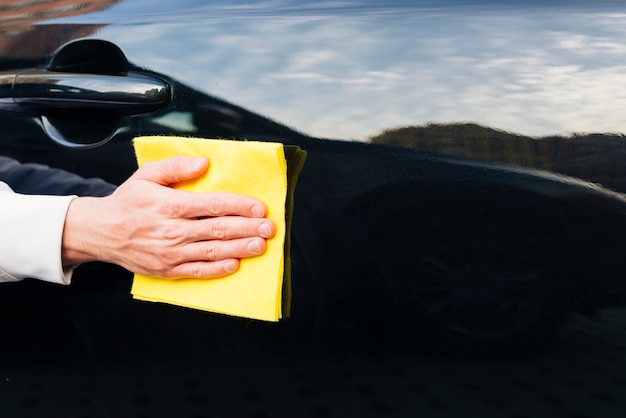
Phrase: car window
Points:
(458, 225)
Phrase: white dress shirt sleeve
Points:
(31, 232)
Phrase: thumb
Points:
(172, 170)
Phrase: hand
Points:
(150, 228)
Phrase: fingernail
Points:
(254, 247)
(258, 211)
(265, 230)
(231, 266)
(198, 163)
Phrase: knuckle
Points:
(196, 271)
(162, 269)
(218, 229)
(166, 260)
(212, 252)
(215, 205)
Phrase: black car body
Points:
(391, 246)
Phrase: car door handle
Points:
(82, 97)
(33, 92)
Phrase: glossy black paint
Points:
(375, 225)
(399, 256)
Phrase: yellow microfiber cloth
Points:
(261, 288)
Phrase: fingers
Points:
(222, 228)
(211, 247)
(206, 270)
(201, 205)
(210, 259)
(222, 250)
(172, 170)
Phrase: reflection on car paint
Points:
(403, 259)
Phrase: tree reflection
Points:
(593, 157)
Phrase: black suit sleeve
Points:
(30, 178)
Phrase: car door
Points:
(438, 266)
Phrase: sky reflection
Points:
(532, 70)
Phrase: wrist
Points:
(77, 244)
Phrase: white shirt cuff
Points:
(31, 236)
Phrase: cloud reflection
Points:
(351, 75)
